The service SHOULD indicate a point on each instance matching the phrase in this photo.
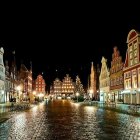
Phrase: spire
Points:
(92, 69)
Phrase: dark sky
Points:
(66, 39)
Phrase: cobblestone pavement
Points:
(62, 120)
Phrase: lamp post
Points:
(77, 94)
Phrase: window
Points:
(131, 62)
(135, 82)
(126, 84)
(120, 82)
(136, 60)
(125, 75)
(135, 53)
(129, 74)
(117, 81)
(131, 55)
(130, 48)
(129, 83)
(135, 46)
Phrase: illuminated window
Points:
(126, 84)
(131, 55)
(135, 53)
(130, 48)
(135, 82)
(136, 60)
(131, 62)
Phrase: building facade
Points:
(104, 81)
(25, 83)
(13, 80)
(67, 86)
(116, 77)
(57, 85)
(7, 82)
(132, 69)
(2, 77)
(40, 84)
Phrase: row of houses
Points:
(67, 87)
(121, 83)
(18, 85)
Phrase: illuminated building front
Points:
(104, 81)
(132, 69)
(57, 85)
(25, 83)
(67, 86)
(116, 77)
(40, 84)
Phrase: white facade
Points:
(2, 77)
(104, 81)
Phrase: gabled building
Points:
(132, 69)
(40, 85)
(25, 82)
(13, 79)
(67, 86)
(104, 81)
(116, 77)
(57, 85)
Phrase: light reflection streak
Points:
(90, 109)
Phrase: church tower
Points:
(92, 77)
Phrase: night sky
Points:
(67, 39)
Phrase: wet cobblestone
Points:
(62, 120)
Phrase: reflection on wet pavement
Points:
(63, 120)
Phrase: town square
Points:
(70, 73)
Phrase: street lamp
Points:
(34, 93)
(77, 94)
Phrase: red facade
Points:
(40, 84)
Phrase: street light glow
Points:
(77, 93)
(34, 92)
(18, 88)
